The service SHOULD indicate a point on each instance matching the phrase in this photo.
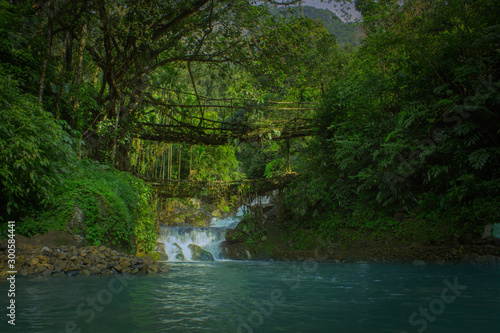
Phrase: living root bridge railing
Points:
(190, 188)
(191, 134)
(212, 123)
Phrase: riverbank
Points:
(410, 244)
(403, 253)
(379, 252)
(61, 254)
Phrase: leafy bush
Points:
(116, 206)
(35, 152)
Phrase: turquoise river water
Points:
(253, 296)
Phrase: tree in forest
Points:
(101, 68)
(100, 56)
(413, 124)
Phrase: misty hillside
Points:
(345, 32)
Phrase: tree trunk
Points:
(180, 152)
(79, 67)
(288, 167)
(47, 52)
(64, 67)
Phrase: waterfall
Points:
(186, 243)
(179, 241)
(228, 222)
(201, 243)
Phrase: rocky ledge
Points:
(32, 261)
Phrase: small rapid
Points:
(198, 243)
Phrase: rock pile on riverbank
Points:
(34, 260)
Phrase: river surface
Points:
(252, 296)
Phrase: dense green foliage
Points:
(79, 79)
(105, 205)
(407, 123)
(35, 152)
(412, 126)
(40, 172)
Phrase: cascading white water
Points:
(229, 222)
(179, 241)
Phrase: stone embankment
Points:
(65, 260)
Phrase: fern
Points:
(479, 158)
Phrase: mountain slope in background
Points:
(345, 10)
(345, 32)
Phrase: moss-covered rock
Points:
(239, 251)
(199, 254)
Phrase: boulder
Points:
(21, 259)
(237, 251)
(199, 254)
(72, 273)
(179, 212)
(79, 239)
(496, 233)
(144, 269)
(138, 266)
(100, 267)
(77, 221)
(39, 268)
(54, 238)
(160, 249)
(179, 255)
(47, 273)
(234, 236)
(43, 259)
(487, 232)
(124, 262)
(267, 208)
